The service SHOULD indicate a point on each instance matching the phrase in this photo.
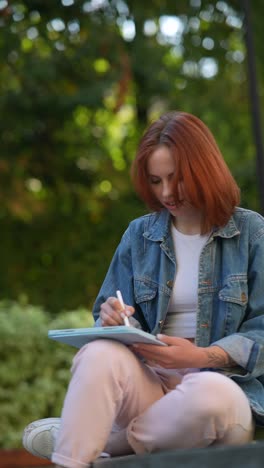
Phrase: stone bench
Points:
(245, 456)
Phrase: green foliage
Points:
(34, 371)
(79, 81)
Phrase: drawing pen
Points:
(120, 298)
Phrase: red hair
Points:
(208, 183)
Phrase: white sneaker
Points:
(39, 437)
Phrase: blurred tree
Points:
(79, 81)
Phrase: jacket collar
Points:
(159, 226)
(159, 229)
(227, 231)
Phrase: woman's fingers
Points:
(110, 312)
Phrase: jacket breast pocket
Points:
(146, 292)
(233, 302)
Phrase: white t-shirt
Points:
(181, 317)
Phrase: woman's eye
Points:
(154, 181)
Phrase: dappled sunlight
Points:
(79, 83)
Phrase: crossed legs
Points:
(110, 387)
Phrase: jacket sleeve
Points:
(120, 276)
(246, 346)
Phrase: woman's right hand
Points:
(111, 312)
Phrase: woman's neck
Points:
(187, 226)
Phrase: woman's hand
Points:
(182, 353)
(112, 313)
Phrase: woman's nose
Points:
(166, 189)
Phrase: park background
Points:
(79, 82)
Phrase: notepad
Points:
(78, 337)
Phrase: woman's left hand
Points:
(180, 353)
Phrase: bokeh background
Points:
(79, 82)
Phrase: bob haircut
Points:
(208, 183)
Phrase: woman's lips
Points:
(170, 205)
(173, 205)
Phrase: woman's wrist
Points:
(215, 357)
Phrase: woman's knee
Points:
(213, 394)
(101, 353)
(209, 383)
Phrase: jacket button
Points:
(170, 283)
(243, 297)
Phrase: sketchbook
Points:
(80, 336)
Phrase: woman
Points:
(191, 272)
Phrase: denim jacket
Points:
(230, 289)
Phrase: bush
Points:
(34, 371)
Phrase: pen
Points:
(120, 298)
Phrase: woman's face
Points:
(161, 172)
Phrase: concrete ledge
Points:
(244, 456)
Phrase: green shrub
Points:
(34, 371)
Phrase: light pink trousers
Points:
(117, 403)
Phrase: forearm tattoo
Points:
(219, 360)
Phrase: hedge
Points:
(34, 370)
